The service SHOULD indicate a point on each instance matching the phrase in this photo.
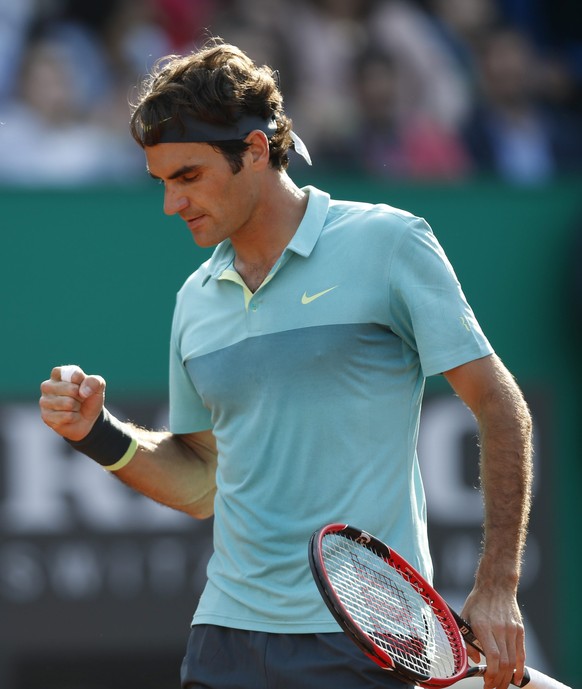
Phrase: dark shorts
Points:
(224, 658)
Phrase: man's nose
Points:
(174, 201)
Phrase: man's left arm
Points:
(505, 432)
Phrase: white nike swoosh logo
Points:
(307, 300)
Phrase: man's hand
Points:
(496, 620)
(71, 408)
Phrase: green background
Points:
(90, 277)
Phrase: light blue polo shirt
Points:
(313, 386)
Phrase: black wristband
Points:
(108, 443)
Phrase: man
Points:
(299, 353)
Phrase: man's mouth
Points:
(195, 221)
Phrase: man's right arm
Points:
(175, 470)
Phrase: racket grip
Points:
(537, 680)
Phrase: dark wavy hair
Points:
(217, 84)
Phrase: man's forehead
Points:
(163, 159)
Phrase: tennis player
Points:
(298, 357)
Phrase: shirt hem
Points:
(286, 627)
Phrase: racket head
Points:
(386, 607)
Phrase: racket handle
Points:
(532, 679)
(537, 680)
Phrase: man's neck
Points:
(278, 216)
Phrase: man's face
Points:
(201, 188)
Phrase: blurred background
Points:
(466, 112)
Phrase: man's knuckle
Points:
(69, 404)
(493, 657)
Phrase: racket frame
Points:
(447, 618)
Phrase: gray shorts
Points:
(225, 658)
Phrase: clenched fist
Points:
(71, 401)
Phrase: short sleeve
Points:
(428, 307)
(187, 411)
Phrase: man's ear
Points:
(258, 148)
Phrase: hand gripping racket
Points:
(393, 614)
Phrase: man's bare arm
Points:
(505, 432)
(175, 470)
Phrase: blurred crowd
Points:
(407, 89)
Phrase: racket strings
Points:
(385, 604)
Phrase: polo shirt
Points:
(313, 387)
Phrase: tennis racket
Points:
(393, 614)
